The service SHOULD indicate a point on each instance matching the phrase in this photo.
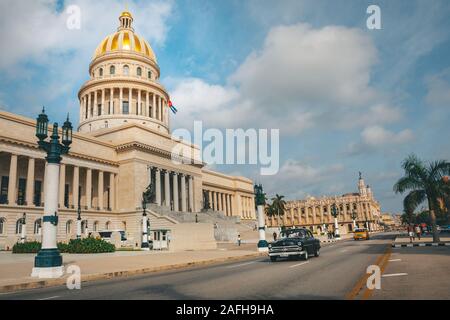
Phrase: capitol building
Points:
(123, 144)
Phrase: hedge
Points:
(87, 245)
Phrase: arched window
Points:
(100, 72)
(112, 70)
(126, 70)
(37, 226)
(69, 227)
(2, 225)
(149, 74)
(19, 226)
(95, 226)
(84, 226)
(107, 225)
(139, 71)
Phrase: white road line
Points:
(241, 265)
(299, 264)
(394, 260)
(394, 274)
(49, 298)
(345, 250)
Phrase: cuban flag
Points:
(172, 107)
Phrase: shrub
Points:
(27, 247)
(89, 245)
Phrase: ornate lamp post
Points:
(48, 261)
(354, 216)
(260, 201)
(79, 222)
(23, 233)
(334, 213)
(144, 244)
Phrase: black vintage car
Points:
(294, 243)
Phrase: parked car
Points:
(361, 234)
(294, 243)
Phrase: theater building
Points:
(122, 144)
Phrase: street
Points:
(339, 273)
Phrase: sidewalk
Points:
(427, 240)
(15, 269)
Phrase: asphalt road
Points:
(337, 274)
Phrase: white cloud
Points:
(301, 78)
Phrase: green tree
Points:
(424, 183)
(279, 207)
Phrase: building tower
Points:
(123, 85)
(361, 186)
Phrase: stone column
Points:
(210, 199)
(175, 192)
(167, 188)
(147, 104)
(111, 101)
(130, 101)
(191, 194)
(139, 108)
(81, 108)
(154, 107)
(62, 184)
(30, 182)
(112, 191)
(103, 101)
(158, 186)
(89, 188)
(120, 100)
(183, 193)
(160, 110)
(12, 180)
(89, 106)
(95, 104)
(75, 186)
(100, 190)
(149, 175)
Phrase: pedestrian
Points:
(239, 240)
(274, 236)
(411, 233)
(418, 231)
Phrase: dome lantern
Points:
(126, 19)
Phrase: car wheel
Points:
(306, 256)
(273, 259)
(317, 252)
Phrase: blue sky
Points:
(345, 98)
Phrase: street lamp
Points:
(334, 213)
(79, 222)
(354, 216)
(23, 233)
(48, 261)
(144, 244)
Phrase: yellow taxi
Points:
(361, 234)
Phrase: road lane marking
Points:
(395, 260)
(394, 274)
(345, 250)
(49, 298)
(241, 265)
(298, 264)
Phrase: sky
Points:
(345, 98)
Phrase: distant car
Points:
(294, 243)
(361, 234)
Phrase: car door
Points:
(309, 242)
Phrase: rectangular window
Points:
(21, 192)
(4, 190)
(37, 193)
(126, 107)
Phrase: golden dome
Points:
(125, 39)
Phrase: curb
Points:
(125, 273)
(431, 244)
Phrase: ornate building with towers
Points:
(123, 145)
(315, 213)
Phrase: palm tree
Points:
(424, 182)
(269, 210)
(279, 207)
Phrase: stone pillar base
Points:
(47, 273)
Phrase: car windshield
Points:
(293, 234)
(360, 230)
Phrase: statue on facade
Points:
(206, 204)
(149, 195)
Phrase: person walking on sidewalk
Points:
(418, 231)
(411, 233)
(239, 240)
